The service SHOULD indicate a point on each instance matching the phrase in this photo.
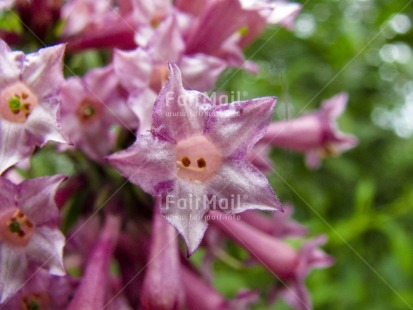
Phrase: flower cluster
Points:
(191, 166)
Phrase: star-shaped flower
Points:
(29, 116)
(91, 107)
(28, 231)
(195, 157)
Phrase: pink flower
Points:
(29, 106)
(91, 293)
(195, 153)
(162, 282)
(144, 71)
(91, 107)
(85, 16)
(315, 133)
(43, 291)
(28, 231)
(284, 262)
(216, 34)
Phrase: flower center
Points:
(15, 227)
(89, 110)
(197, 159)
(17, 101)
(328, 149)
(35, 301)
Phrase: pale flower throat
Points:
(15, 227)
(17, 101)
(197, 159)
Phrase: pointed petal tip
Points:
(336, 105)
(190, 249)
(174, 70)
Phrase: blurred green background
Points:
(362, 200)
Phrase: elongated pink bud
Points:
(161, 287)
(91, 293)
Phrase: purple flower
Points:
(91, 293)
(284, 262)
(29, 116)
(28, 231)
(43, 291)
(315, 133)
(216, 34)
(144, 71)
(91, 106)
(162, 283)
(196, 153)
(87, 16)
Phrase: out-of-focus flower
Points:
(91, 106)
(284, 262)
(83, 16)
(97, 24)
(162, 283)
(315, 133)
(6, 4)
(29, 103)
(274, 12)
(195, 152)
(144, 71)
(93, 288)
(28, 231)
(43, 291)
(217, 35)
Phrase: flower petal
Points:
(8, 193)
(133, 68)
(201, 71)
(46, 248)
(240, 187)
(334, 106)
(161, 285)
(44, 123)
(101, 83)
(167, 43)
(141, 104)
(179, 113)
(37, 198)
(150, 163)
(13, 265)
(184, 207)
(43, 71)
(15, 144)
(236, 127)
(91, 292)
(9, 64)
(214, 26)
